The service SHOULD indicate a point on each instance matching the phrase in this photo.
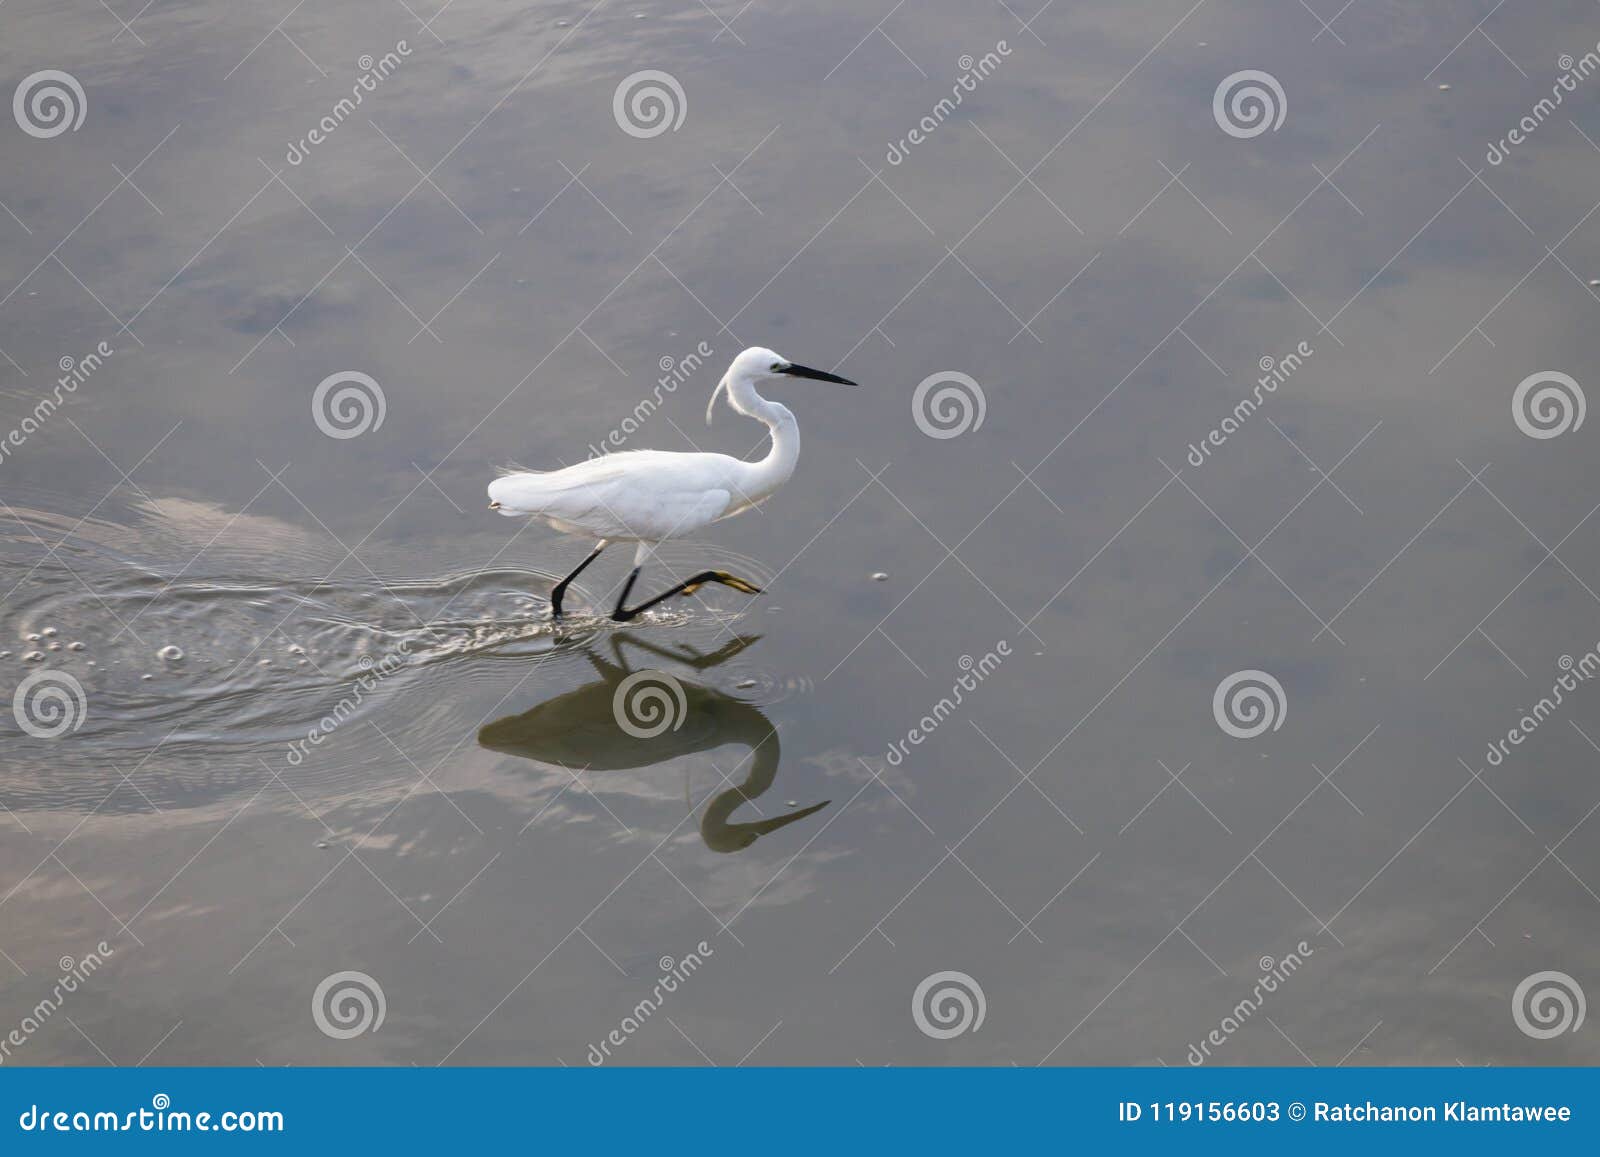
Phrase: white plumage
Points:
(634, 495)
(650, 496)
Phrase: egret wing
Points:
(651, 495)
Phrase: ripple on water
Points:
(761, 686)
(224, 670)
(236, 660)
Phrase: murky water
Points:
(289, 703)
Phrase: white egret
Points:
(649, 496)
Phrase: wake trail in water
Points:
(223, 669)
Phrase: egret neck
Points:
(761, 479)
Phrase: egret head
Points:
(759, 364)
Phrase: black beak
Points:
(795, 371)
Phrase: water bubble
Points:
(33, 636)
(146, 676)
(264, 663)
(879, 576)
(75, 645)
(296, 649)
(171, 652)
(53, 647)
(745, 684)
(32, 656)
(48, 632)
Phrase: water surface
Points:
(325, 722)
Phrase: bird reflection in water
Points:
(579, 730)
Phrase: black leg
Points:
(687, 587)
(621, 614)
(560, 591)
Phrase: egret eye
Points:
(776, 366)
